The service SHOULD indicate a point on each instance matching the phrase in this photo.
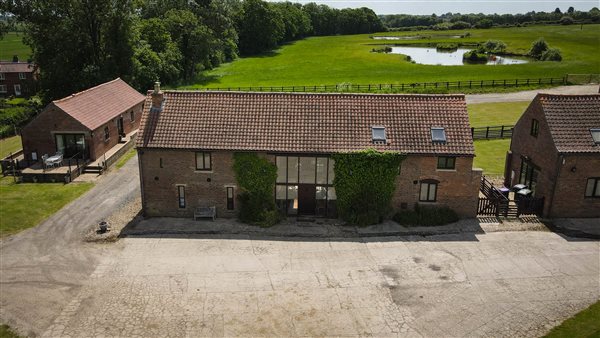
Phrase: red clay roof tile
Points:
(305, 123)
(96, 106)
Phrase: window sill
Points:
(448, 170)
(428, 202)
(203, 171)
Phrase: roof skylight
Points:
(378, 133)
(438, 135)
(595, 134)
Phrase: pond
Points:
(415, 37)
(432, 56)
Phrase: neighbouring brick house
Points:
(187, 141)
(86, 124)
(17, 78)
(555, 151)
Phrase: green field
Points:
(347, 59)
(496, 114)
(24, 205)
(12, 44)
(9, 145)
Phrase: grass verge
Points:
(583, 325)
(6, 332)
(12, 44)
(125, 158)
(24, 205)
(490, 155)
(9, 145)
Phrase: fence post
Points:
(481, 86)
(502, 132)
(487, 132)
(516, 82)
(493, 83)
(470, 83)
(472, 132)
(551, 79)
(505, 83)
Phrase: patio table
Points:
(52, 160)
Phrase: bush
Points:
(474, 56)
(446, 46)
(538, 47)
(552, 54)
(364, 183)
(494, 46)
(256, 177)
(566, 20)
(426, 216)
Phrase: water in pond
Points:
(414, 37)
(431, 56)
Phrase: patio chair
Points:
(44, 158)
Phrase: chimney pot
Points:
(157, 98)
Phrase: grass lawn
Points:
(126, 157)
(583, 325)
(496, 114)
(9, 145)
(348, 59)
(12, 44)
(490, 155)
(24, 205)
(6, 332)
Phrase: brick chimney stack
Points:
(157, 98)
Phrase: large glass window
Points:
(297, 176)
(529, 175)
(181, 196)
(428, 191)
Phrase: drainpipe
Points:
(140, 153)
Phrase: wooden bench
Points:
(205, 212)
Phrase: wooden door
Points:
(306, 199)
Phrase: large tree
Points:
(260, 27)
(77, 43)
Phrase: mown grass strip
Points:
(585, 324)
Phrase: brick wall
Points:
(37, 136)
(202, 188)
(539, 150)
(100, 145)
(569, 197)
(457, 189)
(28, 85)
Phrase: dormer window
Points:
(378, 133)
(438, 135)
(595, 135)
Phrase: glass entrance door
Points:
(306, 199)
(71, 145)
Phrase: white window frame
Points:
(2, 88)
(427, 184)
(2, 76)
(22, 76)
(18, 91)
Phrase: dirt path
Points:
(43, 268)
(528, 95)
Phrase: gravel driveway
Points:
(43, 268)
(498, 284)
(528, 95)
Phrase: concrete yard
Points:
(496, 284)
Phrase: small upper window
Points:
(378, 134)
(203, 161)
(2, 88)
(595, 135)
(22, 76)
(106, 134)
(535, 127)
(446, 162)
(438, 135)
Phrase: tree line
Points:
(462, 21)
(81, 43)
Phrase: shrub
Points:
(426, 216)
(364, 183)
(256, 177)
(552, 54)
(460, 25)
(474, 56)
(484, 23)
(494, 46)
(446, 46)
(566, 20)
(538, 47)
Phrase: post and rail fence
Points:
(491, 132)
(399, 87)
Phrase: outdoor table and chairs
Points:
(54, 160)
